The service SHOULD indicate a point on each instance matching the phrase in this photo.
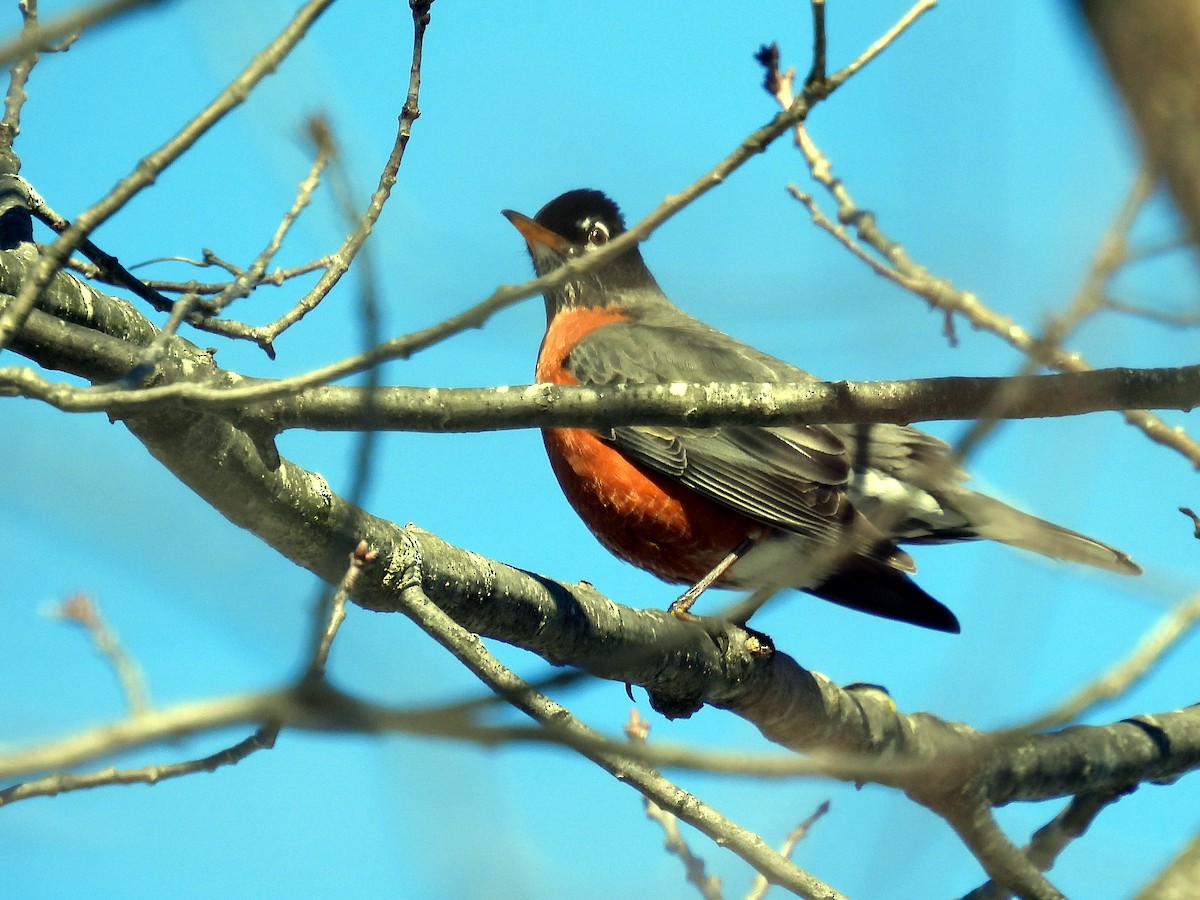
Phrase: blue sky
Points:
(986, 141)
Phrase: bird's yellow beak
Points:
(536, 235)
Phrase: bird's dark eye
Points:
(597, 234)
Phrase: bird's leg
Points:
(681, 608)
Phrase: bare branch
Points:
(275, 278)
(247, 280)
(152, 165)
(340, 261)
(884, 41)
(1171, 319)
(15, 97)
(940, 293)
(709, 886)
(1053, 837)
(336, 610)
(797, 834)
(66, 27)
(82, 610)
(1004, 862)
(1150, 651)
(53, 785)
(468, 649)
(637, 729)
(277, 405)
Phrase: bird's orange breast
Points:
(642, 516)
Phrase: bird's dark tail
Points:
(877, 588)
(997, 521)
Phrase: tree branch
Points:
(1144, 659)
(682, 664)
(152, 165)
(1053, 837)
(65, 27)
(106, 333)
(53, 785)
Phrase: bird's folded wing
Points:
(754, 472)
(794, 478)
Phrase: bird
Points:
(822, 508)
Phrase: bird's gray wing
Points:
(792, 478)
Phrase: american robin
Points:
(820, 508)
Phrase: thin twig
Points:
(884, 41)
(82, 610)
(152, 165)
(53, 785)
(1160, 317)
(14, 99)
(274, 278)
(637, 730)
(1144, 659)
(66, 28)
(335, 611)
(760, 887)
(709, 886)
(247, 280)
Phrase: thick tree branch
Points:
(681, 664)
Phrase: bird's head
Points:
(569, 226)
